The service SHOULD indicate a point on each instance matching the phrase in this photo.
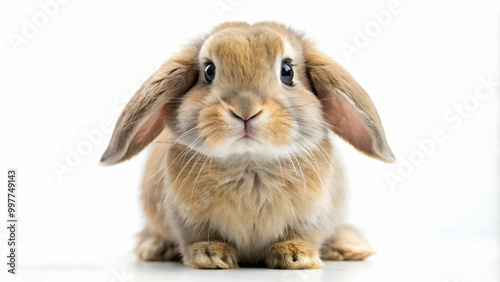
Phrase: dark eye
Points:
(209, 73)
(287, 73)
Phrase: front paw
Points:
(157, 248)
(347, 244)
(293, 254)
(212, 255)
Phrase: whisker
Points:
(170, 148)
(317, 146)
(307, 160)
(294, 169)
(191, 170)
(197, 176)
(298, 106)
(301, 172)
(183, 154)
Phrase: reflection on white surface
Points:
(459, 261)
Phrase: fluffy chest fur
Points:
(249, 203)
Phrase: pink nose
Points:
(244, 118)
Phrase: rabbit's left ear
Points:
(346, 105)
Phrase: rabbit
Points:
(244, 169)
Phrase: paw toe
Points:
(212, 255)
(293, 254)
(346, 253)
(156, 249)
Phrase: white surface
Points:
(79, 69)
(457, 261)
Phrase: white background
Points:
(78, 69)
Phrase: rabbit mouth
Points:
(245, 144)
(246, 137)
(248, 133)
(248, 140)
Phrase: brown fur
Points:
(293, 254)
(347, 244)
(275, 197)
(212, 254)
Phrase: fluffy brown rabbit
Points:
(244, 169)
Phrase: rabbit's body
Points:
(245, 169)
(251, 205)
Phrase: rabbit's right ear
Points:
(144, 117)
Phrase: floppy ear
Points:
(144, 117)
(346, 105)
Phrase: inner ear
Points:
(148, 131)
(348, 123)
(355, 125)
(151, 128)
